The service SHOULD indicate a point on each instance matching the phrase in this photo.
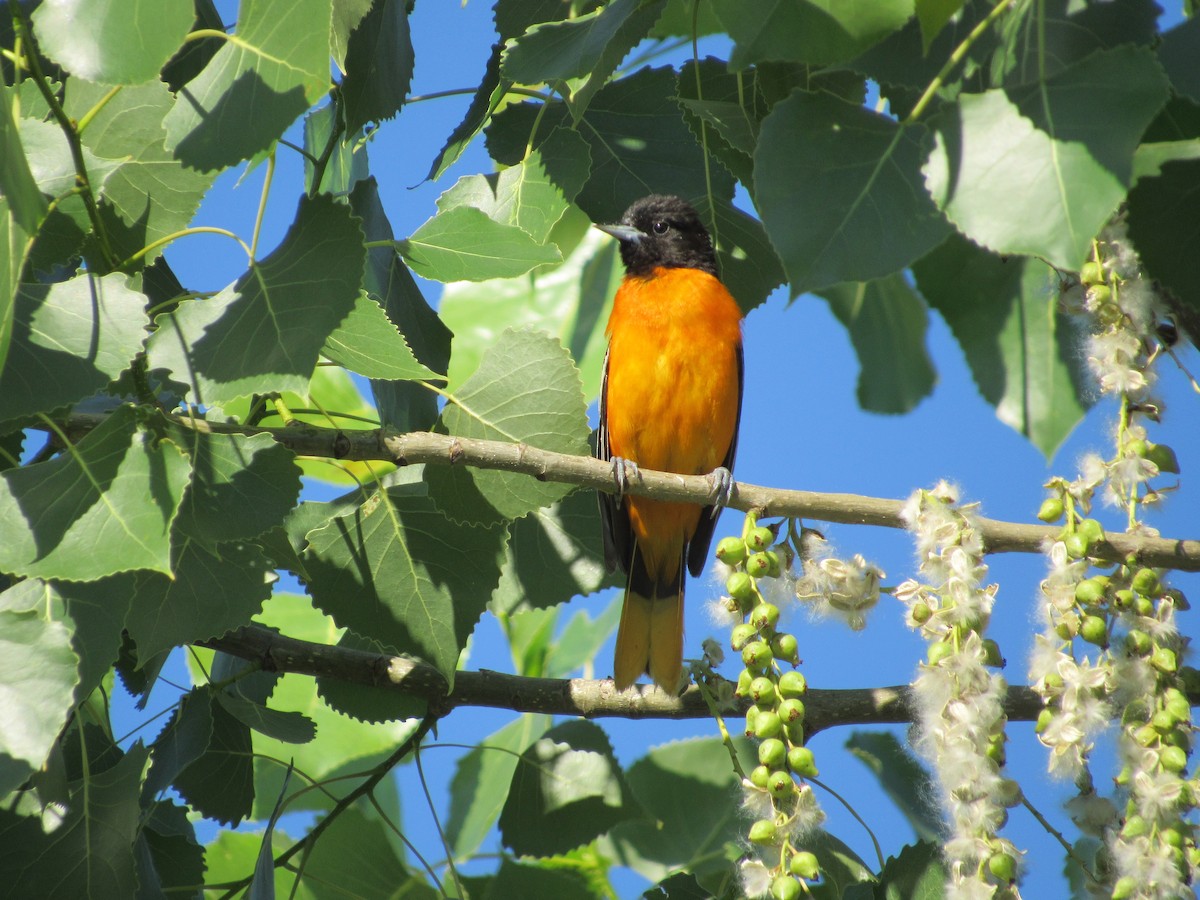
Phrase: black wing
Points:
(697, 553)
(618, 536)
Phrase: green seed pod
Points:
(758, 565)
(1054, 681)
(1051, 510)
(772, 753)
(1091, 590)
(1077, 545)
(1045, 717)
(759, 539)
(938, 651)
(759, 775)
(780, 785)
(1135, 826)
(1138, 447)
(1145, 582)
(1125, 888)
(756, 655)
(731, 550)
(801, 761)
(920, 612)
(742, 634)
(792, 684)
(991, 654)
(1177, 705)
(1009, 793)
(1101, 294)
(1176, 737)
(1172, 837)
(740, 586)
(1123, 598)
(1067, 628)
(1091, 273)
(763, 832)
(791, 710)
(786, 648)
(804, 865)
(765, 616)
(1146, 736)
(743, 683)
(785, 887)
(1002, 867)
(795, 732)
(768, 725)
(1173, 759)
(1094, 630)
(1178, 599)
(995, 750)
(762, 689)
(1163, 659)
(1163, 457)
(775, 568)
(1143, 606)
(1163, 721)
(751, 720)
(1138, 642)
(1092, 530)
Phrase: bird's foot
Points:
(721, 480)
(623, 472)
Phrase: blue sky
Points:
(801, 428)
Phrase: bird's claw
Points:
(721, 480)
(623, 472)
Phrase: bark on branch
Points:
(441, 450)
(591, 698)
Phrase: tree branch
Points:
(424, 447)
(590, 698)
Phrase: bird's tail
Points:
(650, 636)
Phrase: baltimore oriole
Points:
(670, 400)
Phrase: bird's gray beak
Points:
(623, 233)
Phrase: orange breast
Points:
(672, 392)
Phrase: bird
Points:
(670, 400)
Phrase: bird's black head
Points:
(662, 231)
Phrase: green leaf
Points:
(582, 639)
(524, 195)
(916, 874)
(70, 340)
(463, 244)
(403, 405)
(232, 855)
(1074, 169)
(379, 65)
(809, 31)
(1021, 350)
(487, 98)
(749, 266)
(551, 878)
(902, 778)
(570, 301)
(94, 613)
(213, 589)
(53, 165)
(263, 333)
(685, 788)
(152, 194)
(17, 185)
(398, 570)
(270, 71)
(856, 175)
(578, 55)
(355, 858)
(105, 507)
(1179, 54)
(481, 780)
(183, 741)
(710, 94)
(37, 677)
(887, 324)
(842, 871)
(1149, 158)
(567, 790)
(347, 164)
(933, 16)
(555, 553)
(1164, 229)
(347, 15)
(288, 727)
(219, 783)
(526, 390)
(90, 853)
(639, 144)
(114, 43)
(241, 485)
(367, 342)
(166, 853)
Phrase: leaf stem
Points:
(955, 58)
(262, 205)
(100, 104)
(199, 229)
(69, 129)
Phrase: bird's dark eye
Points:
(660, 227)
